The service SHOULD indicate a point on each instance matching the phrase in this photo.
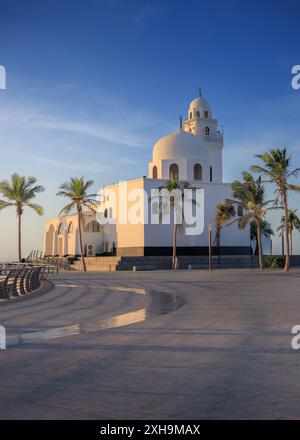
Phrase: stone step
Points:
(110, 259)
(197, 266)
(144, 267)
(112, 263)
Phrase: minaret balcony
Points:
(215, 136)
(210, 137)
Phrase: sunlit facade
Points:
(192, 154)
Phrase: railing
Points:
(38, 257)
(207, 133)
(19, 279)
(210, 136)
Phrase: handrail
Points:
(38, 257)
(45, 268)
(18, 279)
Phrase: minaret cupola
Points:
(195, 149)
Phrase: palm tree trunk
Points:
(174, 244)
(19, 238)
(286, 233)
(260, 247)
(256, 246)
(80, 240)
(218, 241)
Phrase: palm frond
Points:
(4, 204)
(294, 187)
(37, 208)
(258, 169)
(76, 190)
(66, 209)
(20, 191)
(245, 220)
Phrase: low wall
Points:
(181, 250)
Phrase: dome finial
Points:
(200, 92)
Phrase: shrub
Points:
(274, 261)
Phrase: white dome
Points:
(179, 144)
(199, 104)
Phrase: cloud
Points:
(109, 134)
(18, 116)
(92, 167)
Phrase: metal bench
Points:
(18, 279)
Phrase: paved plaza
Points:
(154, 345)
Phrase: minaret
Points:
(180, 122)
(201, 123)
(199, 120)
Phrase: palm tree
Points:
(77, 191)
(293, 223)
(277, 168)
(174, 185)
(224, 212)
(19, 192)
(250, 196)
(266, 231)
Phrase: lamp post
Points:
(209, 246)
(251, 253)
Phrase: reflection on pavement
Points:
(162, 303)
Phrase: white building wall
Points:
(215, 160)
(68, 243)
(178, 147)
(161, 235)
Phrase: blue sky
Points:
(91, 85)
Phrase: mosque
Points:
(192, 154)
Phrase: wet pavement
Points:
(39, 325)
(154, 345)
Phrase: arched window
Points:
(197, 171)
(206, 114)
(210, 174)
(240, 211)
(154, 172)
(71, 228)
(191, 115)
(198, 114)
(174, 172)
(93, 226)
(60, 229)
(207, 131)
(105, 212)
